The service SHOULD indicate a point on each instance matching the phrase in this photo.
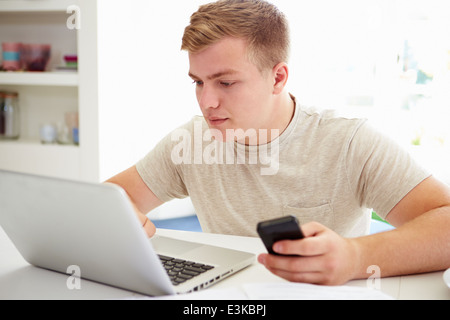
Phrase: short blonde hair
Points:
(259, 22)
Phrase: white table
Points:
(19, 280)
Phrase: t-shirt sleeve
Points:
(161, 174)
(380, 172)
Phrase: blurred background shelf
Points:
(59, 161)
(35, 5)
(69, 79)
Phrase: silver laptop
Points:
(56, 224)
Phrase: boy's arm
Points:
(142, 198)
(419, 244)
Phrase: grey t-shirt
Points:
(322, 168)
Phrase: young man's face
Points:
(231, 91)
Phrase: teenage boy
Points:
(257, 155)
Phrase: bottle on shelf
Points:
(9, 116)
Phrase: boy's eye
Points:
(198, 82)
(225, 84)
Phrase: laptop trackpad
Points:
(173, 247)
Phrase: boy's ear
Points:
(280, 75)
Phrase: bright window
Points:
(386, 60)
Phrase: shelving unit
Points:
(44, 97)
(114, 90)
(125, 90)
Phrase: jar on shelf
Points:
(9, 115)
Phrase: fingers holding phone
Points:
(321, 256)
(273, 231)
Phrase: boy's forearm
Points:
(421, 245)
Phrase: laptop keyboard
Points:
(180, 271)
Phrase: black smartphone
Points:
(285, 228)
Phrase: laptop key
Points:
(178, 261)
(199, 270)
(180, 280)
(164, 258)
(185, 276)
(198, 265)
(191, 273)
